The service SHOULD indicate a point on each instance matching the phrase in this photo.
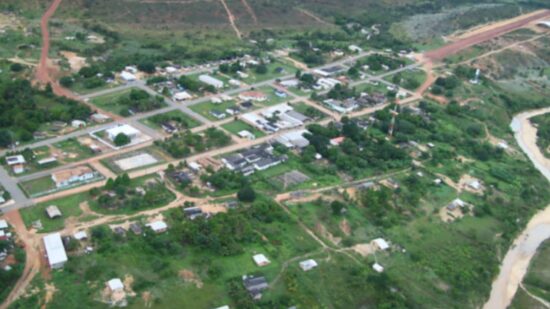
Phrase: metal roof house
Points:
(57, 257)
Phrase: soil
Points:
(76, 62)
(364, 249)
(345, 227)
(190, 277)
(485, 34)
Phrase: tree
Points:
(16, 67)
(261, 69)
(122, 139)
(147, 66)
(337, 207)
(66, 81)
(246, 194)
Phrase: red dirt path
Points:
(462, 44)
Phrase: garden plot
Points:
(291, 178)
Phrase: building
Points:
(78, 124)
(209, 80)
(158, 226)
(17, 163)
(193, 212)
(255, 285)
(3, 224)
(136, 228)
(46, 161)
(75, 175)
(247, 135)
(346, 106)
(256, 96)
(280, 93)
(308, 265)
(57, 257)
(53, 212)
(217, 114)
(290, 83)
(294, 139)
(115, 285)
(355, 49)
(381, 244)
(261, 260)
(378, 268)
(328, 83)
(80, 235)
(127, 76)
(182, 96)
(456, 203)
(125, 129)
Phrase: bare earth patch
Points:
(75, 62)
(190, 277)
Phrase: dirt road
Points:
(32, 259)
(231, 19)
(482, 36)
(517, 259)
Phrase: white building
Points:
(182, 96)
(74, 175)
(290, 83)
(209, 80)
(3, 224)
(381, 244)
(127, 76)
(247, 134)
(125, 129)
(308, 264)
(328, 83)
(260, 260)
(158, 226)
(115, 285)
(378, 268)
(78, 123)
(355, 49)
(55, 250)
(17, 163)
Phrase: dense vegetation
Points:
(543, 133)
(186, 143)
(25, 109)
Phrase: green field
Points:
(69, 207)
(74, 150)
(205, 108)
(536, 281)
(410, 79)
(45, 185)
(236, 126)
(108, 102)
(181, 119)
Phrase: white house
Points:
(209, 80)
(182, 96)
(308, 264)
(115, 285)
(260, 260)
(290, 83)
(3, 224)
(55, 250)
(17, 163)
(328, 83)
(67, 177)
(378, 268)
(247, 134)
(257, 96)
(127, 76)
(355, 49)
(78, 123)
(80, 235)
(158, 226)
(381, 243)
(127, 130)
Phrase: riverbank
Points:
(516, 262)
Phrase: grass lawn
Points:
(272, 72)
(109, 103)
(205, 108)
(74, 150)
(39, 186)
(308, 110)
(236, 126)
(410, 79)
(176, 116)
(162, 197)
(69, 207)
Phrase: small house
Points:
(158, 226)
(136, 228)
(378, 268)
(80, 235)
(308, 265)
(115, 285)
(120, 231)
(17, 163)
(381, 244)
(68, 177)
(78, 124)
(255, 285)
(3, 224)
(53, 212)
(261, 260)
(193, 212)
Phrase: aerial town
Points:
(274, 155)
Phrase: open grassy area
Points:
(108, 102)
(69, 207)
(237, 126)
(73, 151)
(206, 108)
(32, 157)
(410, 79)
(537, 280)
(177, 117)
